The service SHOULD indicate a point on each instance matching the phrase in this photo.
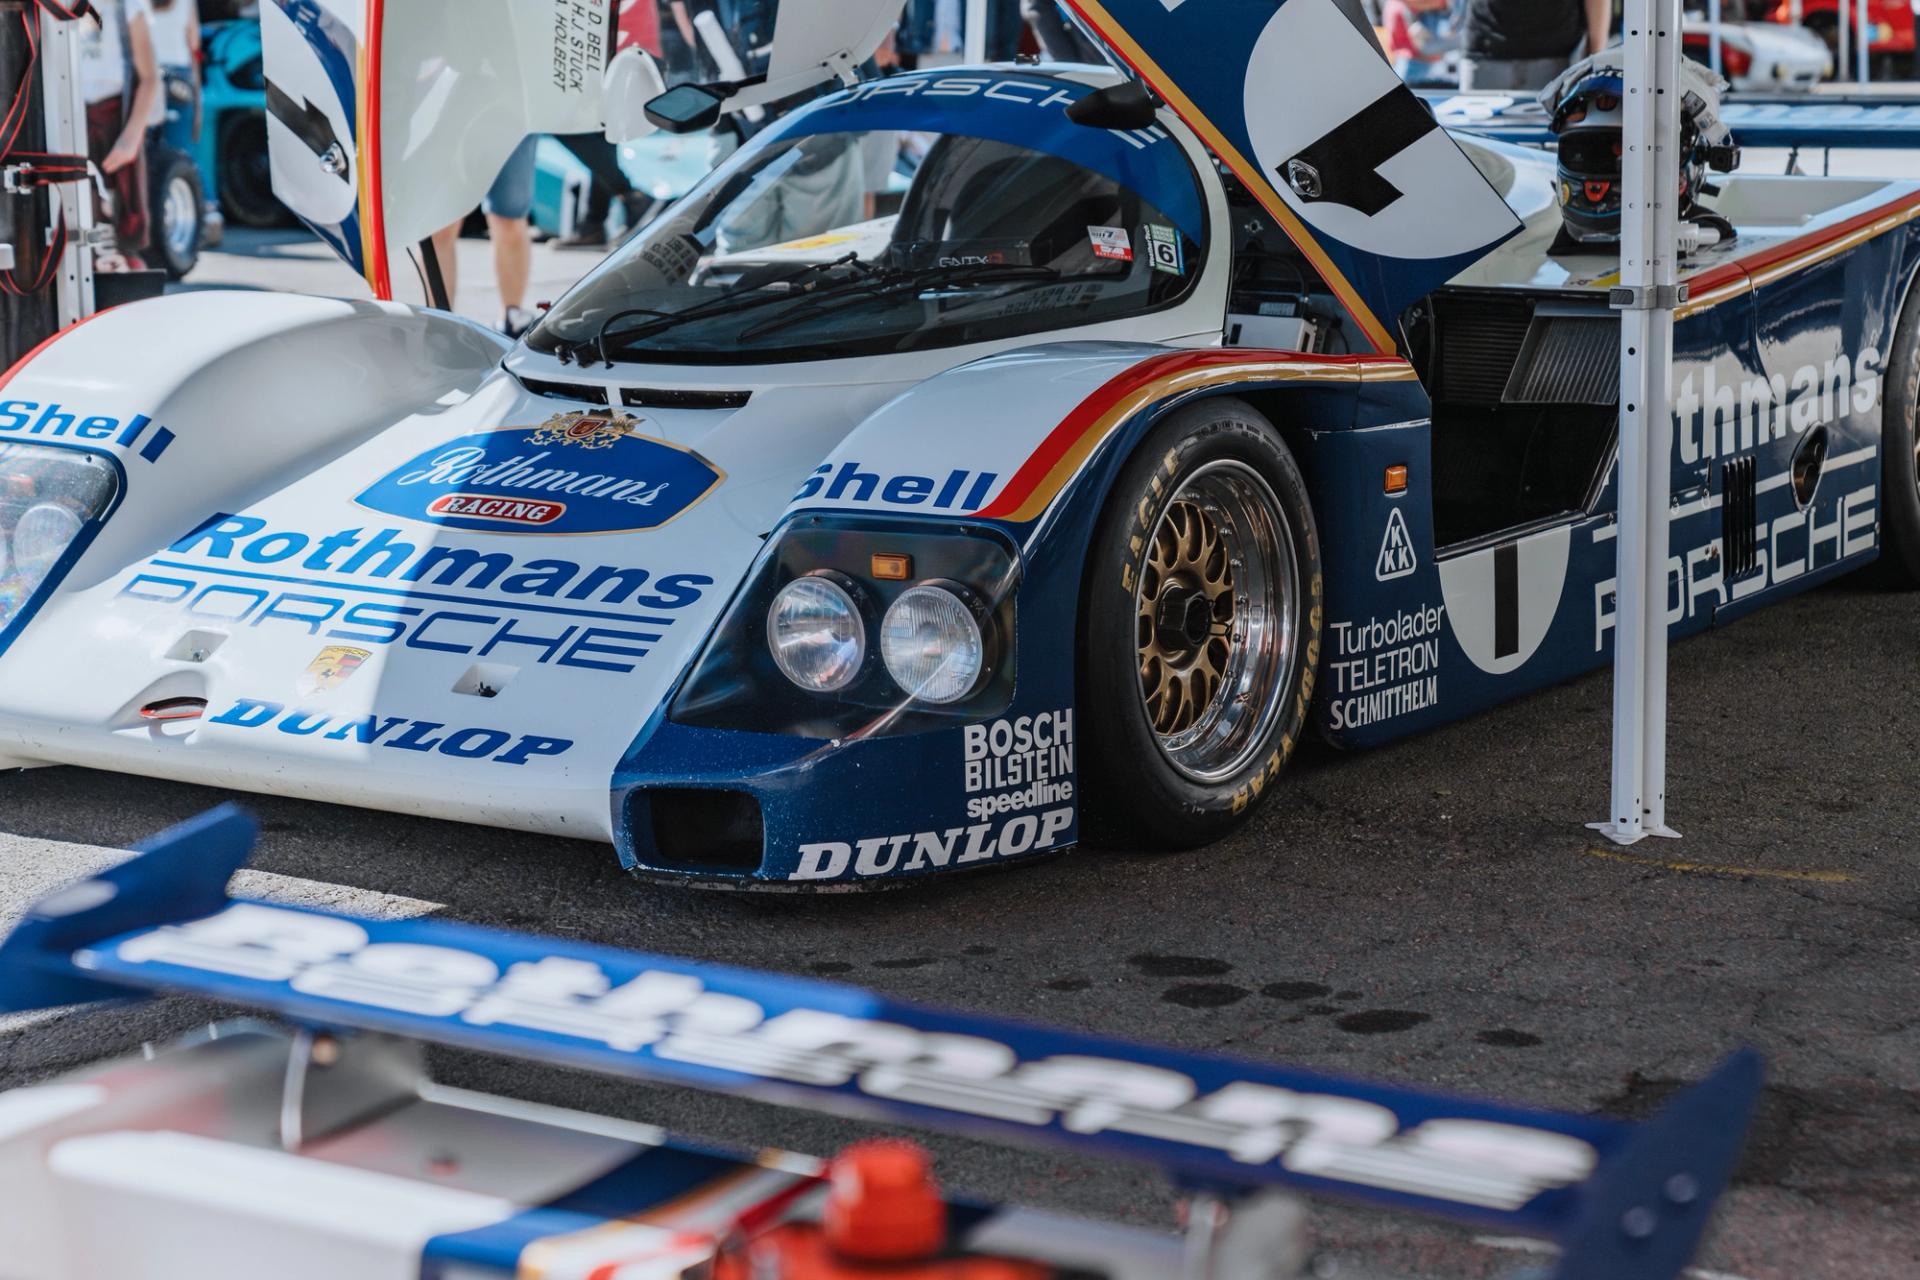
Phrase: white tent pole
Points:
(1863, 46)
(66, 131)
(1713, 37)
(974, 37)
(1843, 30)
(1648, 292)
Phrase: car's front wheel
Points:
(1200, 634)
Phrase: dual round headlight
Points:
(817, 632)
(932, 644)
(930, 639)
(42, 535)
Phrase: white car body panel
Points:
(121, 631)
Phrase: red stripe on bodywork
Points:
(1730, 273)
(27, 359)
(1087, 414)
(379, 271)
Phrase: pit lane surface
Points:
(1432, 913)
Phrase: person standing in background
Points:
(936, 30)
(120, 83)
(1417, 40)
(1060, 40)
(1522, 44)
(176, 47)
(639, 27)
(508, 202)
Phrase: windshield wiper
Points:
(823, 301)
(735, 300)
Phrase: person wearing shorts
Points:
(120, 83)
(508, 203)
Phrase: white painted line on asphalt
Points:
(1527, 1244)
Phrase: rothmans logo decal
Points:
(574, 473)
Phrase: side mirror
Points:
(1127, 105)
(632, 81)
(686, 108)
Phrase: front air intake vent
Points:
(674, 398)
(1568, 359)
(1739, 523)
(581, 391)
(1480, 341)
(693, 829)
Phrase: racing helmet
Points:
(1588, 114)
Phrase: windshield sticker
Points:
(1111, 242)
(575, 473)
(1163, 250)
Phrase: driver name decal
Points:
(575, 473)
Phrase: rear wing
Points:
(1809, 122)
(1625, 1201)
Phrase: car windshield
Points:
(913, 212)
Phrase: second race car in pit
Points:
(825, 538)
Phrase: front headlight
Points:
(859, 623)
(932, 645)
(47, 498)
(817, 632)
(43, 535)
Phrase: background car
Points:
(1758, 56)
(1891, 23)
(231, 150)
(184, 220)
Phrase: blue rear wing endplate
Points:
(1810, 123)
(1625, 1201)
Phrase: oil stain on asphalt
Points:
(1154, 965)
(1373, 1022)
(1204, 995)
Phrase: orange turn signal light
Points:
(1397, 478)
(892, 567)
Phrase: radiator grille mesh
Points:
(1568, 359)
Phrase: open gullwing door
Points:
(389, 119)
(1298, 100)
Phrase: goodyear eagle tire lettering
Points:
(1200, 630)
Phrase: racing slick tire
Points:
(179, 212)
(1200, 630)
(1900, 451)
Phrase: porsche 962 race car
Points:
(830, 534)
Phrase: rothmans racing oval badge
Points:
(574, 473)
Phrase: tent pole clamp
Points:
(1662, 297)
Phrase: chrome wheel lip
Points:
(179, 217)
(1266, 623)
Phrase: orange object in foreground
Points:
(884, 1217)
(883, 1204)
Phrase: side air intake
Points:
(1480, 341)
(1739, 517)
(1567, 359)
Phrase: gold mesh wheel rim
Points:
(1216, 620)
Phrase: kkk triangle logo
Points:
(1396, 550)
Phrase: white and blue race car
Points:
(1164, 419)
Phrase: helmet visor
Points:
(1594, 154)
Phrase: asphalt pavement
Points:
(1433, 913)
